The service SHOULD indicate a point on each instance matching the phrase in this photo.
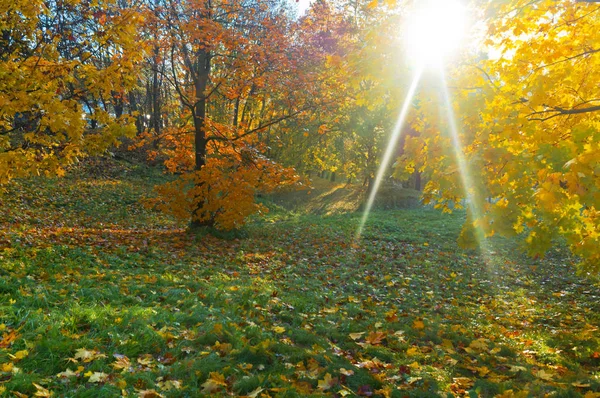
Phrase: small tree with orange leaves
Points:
(233, 68)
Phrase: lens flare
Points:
(389, 152)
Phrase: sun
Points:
(434, 30)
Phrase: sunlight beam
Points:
(390, 150)
(471, 195)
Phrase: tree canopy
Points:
(241, 97)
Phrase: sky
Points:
(302, 6)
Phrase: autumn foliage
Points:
(65, 67)
(239, 97)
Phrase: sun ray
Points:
(389, 152)
(472, 196)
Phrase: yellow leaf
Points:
(149, 394)
(145, 360)
(580, 385)
(88, 355)
(214, 383)
(356, 336)
(479, 344)
(418, 324)
(98, 377)
(415, 365)
(67, 373)
(278, 329)
(326, 383)
(6, 367)
(463, 382)
(542, 374)
(373, 4)
(19, 355)
(122, 362)
(41, 391)
(412, 351)
(255, 392)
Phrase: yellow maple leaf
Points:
(98, 377)
(214, 383)
(145, 360)
(41, 391)
(418, 324)
(412, 351)
(122, 362)
(326, 383)
(278, 329)
(88, 355)
(67, 373)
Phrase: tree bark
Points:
(417, 181)
(201, 76)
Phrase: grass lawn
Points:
(100, 297)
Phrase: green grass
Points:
(85, 266)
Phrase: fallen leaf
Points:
(326, 383)
(375, 338)
(98, 377)
(19, 355)
(88, 355)
(67, 373)
(255, 392)
(418, 324)
(346, 372)
(542, 374)
(412, 351)
(278, 329)
(149, 394)
(41, 391)
(122, 363)
(214, 383)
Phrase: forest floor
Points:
(101, 297)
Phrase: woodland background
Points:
(165, 166)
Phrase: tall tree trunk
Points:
(201, 76)
(156, 105)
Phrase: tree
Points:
(64, 66)
(529, 121)
(234, 68)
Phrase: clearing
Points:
(100, 297)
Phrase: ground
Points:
(101, 297)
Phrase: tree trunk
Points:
(417, 181)
(202, 73)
